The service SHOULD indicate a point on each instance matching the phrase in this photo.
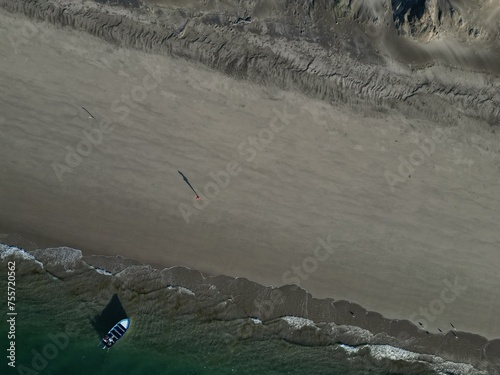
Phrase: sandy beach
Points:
(392, 213)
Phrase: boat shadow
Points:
(109, 316)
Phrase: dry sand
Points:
(322, 175)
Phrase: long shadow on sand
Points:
(109, 316)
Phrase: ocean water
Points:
(63, 307)
(131, 357)
(47, 343)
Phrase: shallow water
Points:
(47, 342)
(63, 312)
(186, 347)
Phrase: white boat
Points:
(115, 333)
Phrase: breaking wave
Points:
(244, 312)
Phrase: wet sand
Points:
(320, 176)
(203, 325)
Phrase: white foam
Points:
(382, 352)
(102, 271)
(65, 256)
(359, 332)
(182, 290)
(298, 323)
(256, 321)
(186, 291)
(132, 271)
(386, 351)
(6, 251)
(348, 348)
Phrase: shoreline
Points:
(265, 306)
(323, 174)
(398, 242)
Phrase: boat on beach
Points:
(115, 333)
